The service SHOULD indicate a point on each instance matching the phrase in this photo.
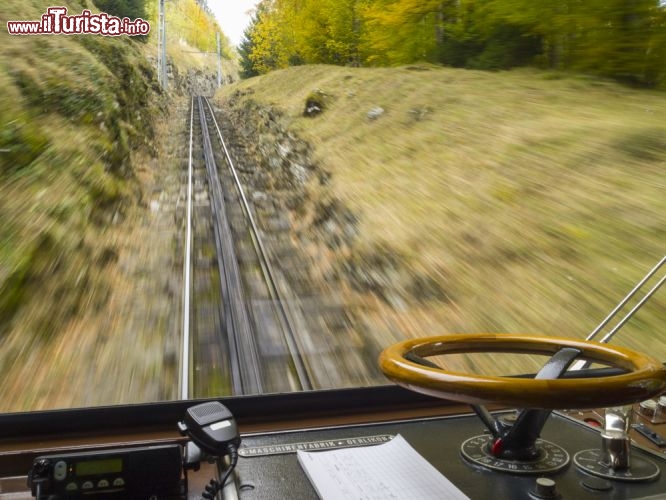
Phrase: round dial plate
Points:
(640, 469)
(552, 459)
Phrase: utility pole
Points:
(160, 4)
(161, 47)
(219, 61)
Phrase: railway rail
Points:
(238, 331)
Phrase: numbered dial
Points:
(552, 457)
(641, 469)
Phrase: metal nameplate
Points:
(327, 444)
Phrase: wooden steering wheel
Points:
(644, 376)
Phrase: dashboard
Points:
(274, 427)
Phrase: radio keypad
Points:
(118, 482)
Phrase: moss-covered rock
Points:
(316, 102)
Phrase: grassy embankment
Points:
(533, 200)
(76, 119)
(85, 316)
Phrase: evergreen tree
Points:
(245, 51)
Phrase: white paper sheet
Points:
(389, 471)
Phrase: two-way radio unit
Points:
(149, 472)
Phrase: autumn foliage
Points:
(193, 22)
(621, 39)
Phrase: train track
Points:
(238, 333)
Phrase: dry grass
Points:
(534, 202)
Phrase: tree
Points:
(330, 31)
(622, 39)
(480, 39)
(614, 38)
(404, 31)
(268, 44)
(245, 50)
(623, 42)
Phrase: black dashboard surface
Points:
(272, 473)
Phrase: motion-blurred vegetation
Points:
(78, 118)
(72, 110)
(624, 40)
(486, 202)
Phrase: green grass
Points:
(535, 200)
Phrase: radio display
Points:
(103, 466)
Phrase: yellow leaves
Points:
(609, 37)
(306, 31)
(267, 50)
(402, 31)
(346, 31)
(188, 21)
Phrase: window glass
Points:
(359, 173)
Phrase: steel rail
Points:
(184, 379)
(284, 315)
(245, 367)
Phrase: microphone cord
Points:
(214, 487)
